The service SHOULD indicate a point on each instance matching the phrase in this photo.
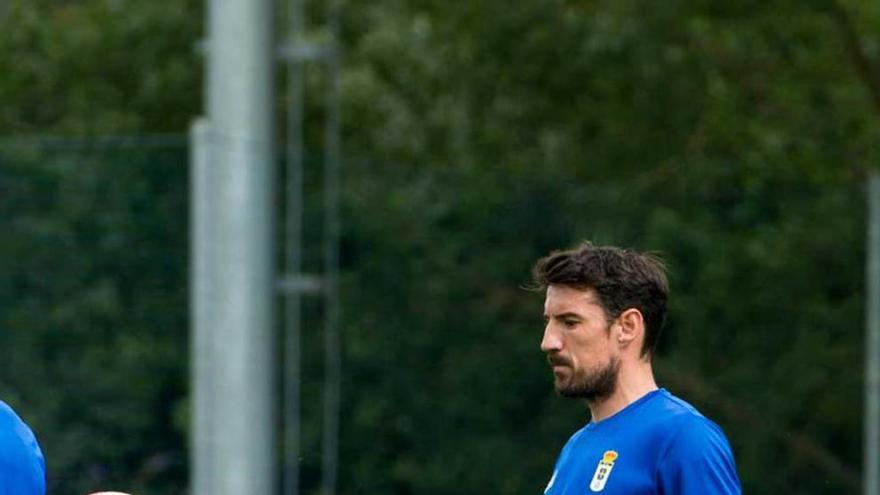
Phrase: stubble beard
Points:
(594, 386)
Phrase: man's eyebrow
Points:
(566, 315)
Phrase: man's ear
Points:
(632, 328)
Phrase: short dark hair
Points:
(622, 279)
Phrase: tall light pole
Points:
(871, 468)
(233, 278)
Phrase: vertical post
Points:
(872, 344)
(239, 100)
(201, 297)
(293, 252)
(332, 222)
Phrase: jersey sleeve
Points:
(22, 465)
(698, 461)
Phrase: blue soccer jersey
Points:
(22, 468)
(658, 445)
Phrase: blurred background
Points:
(733, 138)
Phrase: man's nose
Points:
(551, 341)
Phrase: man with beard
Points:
(604, 309)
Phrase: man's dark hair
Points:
(622, 279)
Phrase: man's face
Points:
(578, 343)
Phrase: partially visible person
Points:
(22, 466)
(604, 309)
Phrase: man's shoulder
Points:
(696, 456)
(672, 421)
(22, 466)
(7, 414)
(18, 445)
(674, 412)
(687, 429)
(672, 405)
(12, 426)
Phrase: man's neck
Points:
(633, 383)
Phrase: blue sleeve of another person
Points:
(698, 461)
(22, 467)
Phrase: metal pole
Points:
(202, 297)
(240, 95)
(332, 360)
(872, 344)
(293, 254)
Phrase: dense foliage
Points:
(733, 138)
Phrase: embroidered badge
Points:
(603, 471)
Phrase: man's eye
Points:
(569, 323)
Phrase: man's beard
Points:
(593, 386)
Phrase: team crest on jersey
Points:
(603, 471)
